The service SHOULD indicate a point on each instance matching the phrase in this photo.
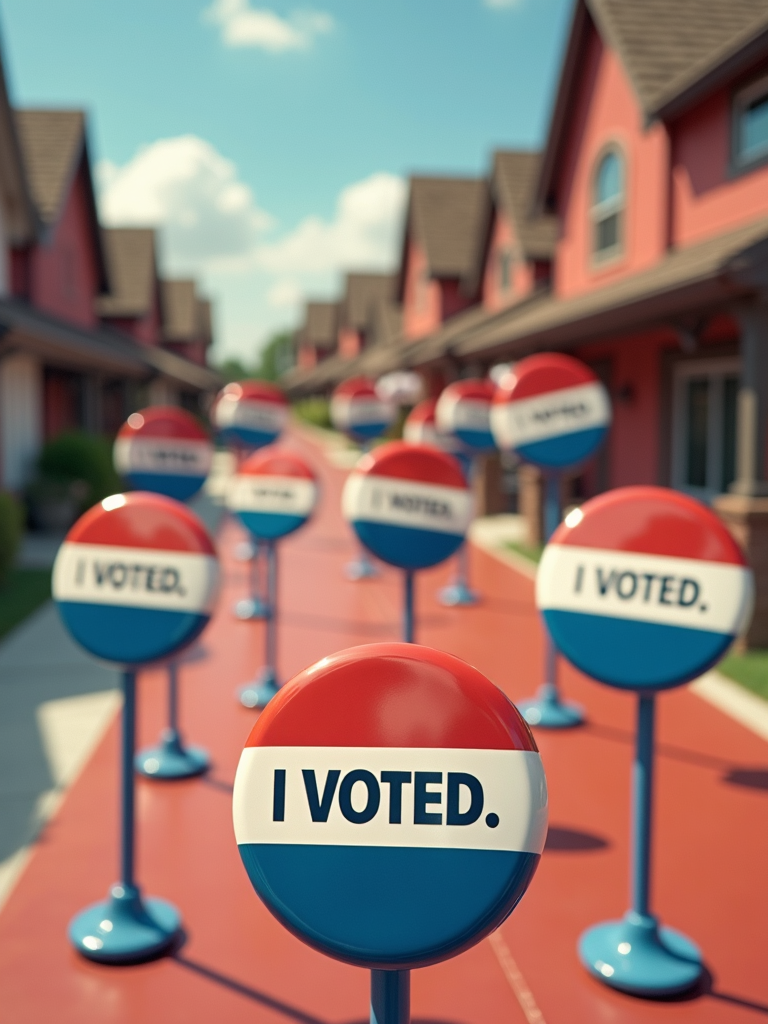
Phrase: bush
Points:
(316, 411)
(11, 526)
(79, 464)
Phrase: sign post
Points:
(358, 411)
(554, 413)
(248, 415)
(644, 589)
(463, 411)
(409, 504)
(164, 450)
(390, 809)
(273, 494)
(134, 582)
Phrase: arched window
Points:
(608, 202)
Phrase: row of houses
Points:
(88, 329)
(636, 239)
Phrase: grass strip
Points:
(22, 592)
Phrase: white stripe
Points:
(453, 412)
(173, 456)
(290, 495)
(513, 784)
(386, 499)
(712, 596)
(135, 577)
(270, 417)
(347, 412)
(550, 415)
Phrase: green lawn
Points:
(22, 591)
(531, 552)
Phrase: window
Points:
(608, 205)
(704, 436)
(750, 136)
(504, 259)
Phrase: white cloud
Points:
(363, 233)
(209, 217)
(245, 26)
(285, 294)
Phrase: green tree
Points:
(276, 356)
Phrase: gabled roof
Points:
(447, 216)
(361, 293)
(321, 320)
(513, 184)
(185, 317)
(18, 212)
(130, 254)
(675, 52)
(54, 147)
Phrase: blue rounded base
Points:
(457, 595)
(261, 691)
(125, 929)
(361, 569)
(250, 608)
(170, 759)
(548, 711)
(637, 956)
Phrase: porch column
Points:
(745, 509)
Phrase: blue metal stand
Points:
(255, 606)
(125, 928)
(259, 692)
(547, 709)
(390, 997)
(171, 759)
(459, 594)
(635, 954)
(408, 620)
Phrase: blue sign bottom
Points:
(358, 903)
(652, 656)
(406, 547)
(270, 525)
(171, 485)
(130, 636)
(563, 450)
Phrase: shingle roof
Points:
(130, 254)
(181, 313)
(361, 293)
(321, 324)
(51, 144)
(513, 182)
(448, 217)
(666, 45)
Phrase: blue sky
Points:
(271, 142)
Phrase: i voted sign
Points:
(273, 493)
(163, 449)
(136, 578)
(250, 414)
(643, 588)
(420, 428)
(359, 411)
(464, 409)
(409, 504)
(552, 410)
(390, 806)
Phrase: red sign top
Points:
(424, 412)
(476, 389)
(420, 462)
(142, 520)
(392, 695)
(652, 521)
(254, 391)
(276, 461)
(540, 374)
(356, 387)
(162, 421)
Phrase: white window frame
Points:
(741, 101)
(615, 205)
(715, 370)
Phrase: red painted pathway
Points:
(238, 964)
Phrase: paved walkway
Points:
(237, 964)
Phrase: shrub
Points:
(11, 526)
(83, 460)
(316, 411)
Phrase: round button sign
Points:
(643, 588)
(420, 428)
(464, 410)
(250, 414)
(390, 806)
(408, 503)
(163, 449)
(357, 409)
(136, 578)
(552, 410)
(273, 493)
